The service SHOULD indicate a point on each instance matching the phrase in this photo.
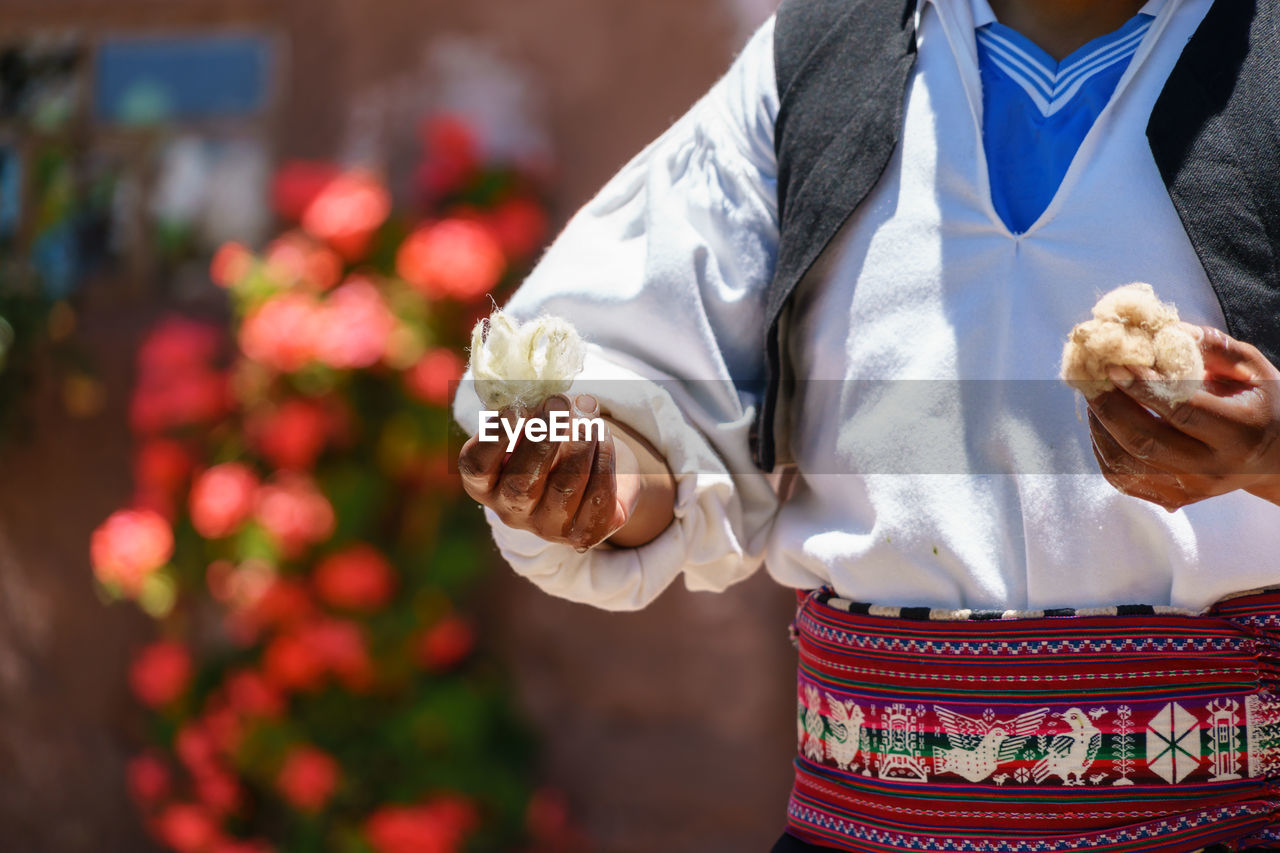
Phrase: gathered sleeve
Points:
(664, 274)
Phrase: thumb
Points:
(1224, 356)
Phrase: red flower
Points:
(341, 647)
(449, 137)
(355, 578)
(308, 778)
(223, 725)
(281, 604)
(446, 643)
(451, 156)
(160, 467)
(439, 827)
(162, 402)
(160, 673)
(291, 663)
(455, 810)
(430, 379)
(231, 263)
(521, 226)
(195, 747)
(281, 332)
(297, 184)
(347, 212)
(149, 779)
(218, 791)
(222, 498)
(295, 513)
(295, 260)
(187, 828)
(177, 347)
(178, 384)
(249, 693)
(354, 326)
(129, 546)
(455, 258)
(259, 600)
(292, 435)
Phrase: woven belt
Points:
(1132, 728)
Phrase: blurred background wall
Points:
(669, 729)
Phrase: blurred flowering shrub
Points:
(296, 532)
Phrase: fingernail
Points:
(587, 404)
(1119, 375)
(558, 403)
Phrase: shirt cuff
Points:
(711, 540)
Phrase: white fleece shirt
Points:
(940, 461)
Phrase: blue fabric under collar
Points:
(1036, 111)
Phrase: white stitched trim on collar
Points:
(983, 15)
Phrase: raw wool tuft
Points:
(522, 364)
(1131, 326)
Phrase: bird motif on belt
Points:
(979, 745)
(846, 731)
(1070, 753)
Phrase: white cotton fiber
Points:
(1132, 327)
(516, 363)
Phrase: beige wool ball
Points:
(1132, 327)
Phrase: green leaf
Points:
(158, 594)
(359, 497)
(456, 564)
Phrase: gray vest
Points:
(843, 68)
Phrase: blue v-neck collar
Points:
(1036, 111)
(1052, 84)
(1116, 40)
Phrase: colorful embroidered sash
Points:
(1130, 728)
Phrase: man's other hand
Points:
(1222, 439)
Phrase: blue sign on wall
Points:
(10, 192)
(145, 80)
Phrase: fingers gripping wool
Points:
(521, 364)
(1132, 327)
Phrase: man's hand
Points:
(1221, 440)
(577, 493)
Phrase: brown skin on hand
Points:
(1060, 27)
(1221, 440)
(579, 493)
